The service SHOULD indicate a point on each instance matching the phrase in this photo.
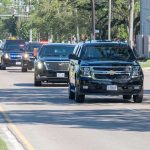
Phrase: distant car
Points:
(107, 68)
(28, 58)
(11, 53)
(52, 63)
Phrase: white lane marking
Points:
(134, 110)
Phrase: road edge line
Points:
(16, 132)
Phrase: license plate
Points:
(111, 87)
(60, 75)
(18, 63)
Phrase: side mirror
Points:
(141, 58)
(72, 56)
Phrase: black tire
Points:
(127, 97)
(24, 69)
(138, 98)
(71, 94)
(79, 98)
(37, 83)
(2, 65)
(3, 68)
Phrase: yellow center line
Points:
(20, 137)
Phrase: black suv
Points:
(108, 68)
(52, 63)
(11, 53)
(28, 57)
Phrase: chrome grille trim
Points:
(57, 65)
(116, 76)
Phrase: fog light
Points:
(137, 87)
(85, 87)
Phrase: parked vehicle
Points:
(27, 62)
(107, 68)
(11, 53)
(52, 63)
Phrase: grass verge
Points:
(145, 63)
(3, 145)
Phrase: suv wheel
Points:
(2, 66)
(79, 98)
(71, 94)
(138, 98)
(36, 82)
(24, 69)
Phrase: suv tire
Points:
(3, 68)
(24, 69)
(71, 94)
(2, 65)
(138, 98)
(79, 98)
(36, 82)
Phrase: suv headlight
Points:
(6, 56)
(39, 65)
(136, 71)
(85, 71)
(26, 56)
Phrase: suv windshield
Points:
(15, 46)
(56, 51)
(108, 53)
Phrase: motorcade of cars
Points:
(52, 63)
(107, 68)
(11, 53)
(27, 62)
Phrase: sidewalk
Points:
(5, 134)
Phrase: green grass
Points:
(145, 63)
(3, 145)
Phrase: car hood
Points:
(108, 63)
(53, 59)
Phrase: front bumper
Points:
(12, 62)
(52, 76)
(130, 87)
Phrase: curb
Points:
(16, 132)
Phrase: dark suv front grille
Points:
(112, 77)
(61, 66)
(112, 73)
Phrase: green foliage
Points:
(60, 18)
(3, 145)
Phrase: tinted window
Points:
(15, 45)
(56, 51)
(108, 53)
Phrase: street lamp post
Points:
(109, 21)
(93, 19)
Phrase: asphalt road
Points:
(49, 121)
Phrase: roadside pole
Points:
(109, 21)
(131, 20)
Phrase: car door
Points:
(74, 65)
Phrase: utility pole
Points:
(30, 31)
(109, 21)
(93, 19)
(131, 21)
(77, 26)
